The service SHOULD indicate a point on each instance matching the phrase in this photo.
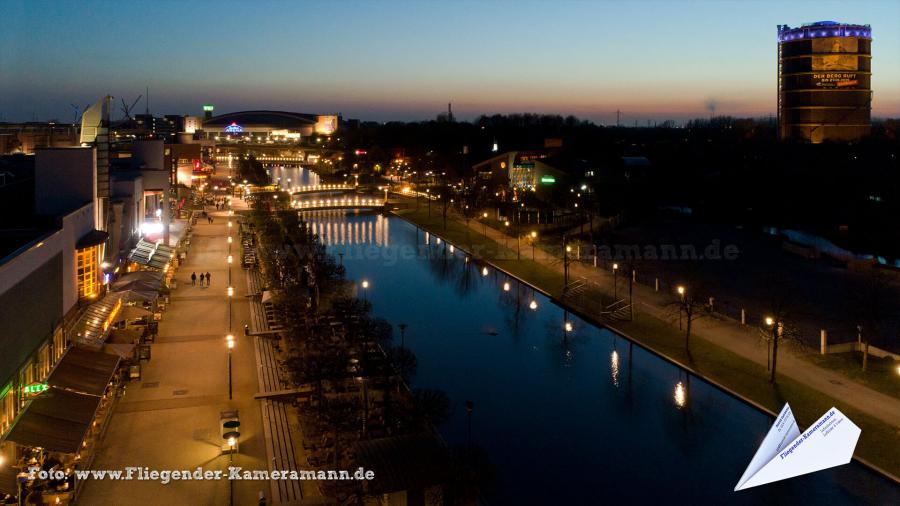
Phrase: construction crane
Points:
(126, 109)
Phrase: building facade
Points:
(824, 82)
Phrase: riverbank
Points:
(743, 376)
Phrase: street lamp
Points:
(680, 290)
(484, 271)
(230, 259)
(229, 343)
(533, 240)
(230, 295)
(615, 281)
(506, 286)
(533, 305)
(365, 285)
(568, 326)
(484, 224)
(568, 249)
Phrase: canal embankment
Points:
(733, 372)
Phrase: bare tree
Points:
(873, 306)
(778, 327)
(689, 308)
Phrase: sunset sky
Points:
(381, 60)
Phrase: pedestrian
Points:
(207, 279)
(201, 280)
(194, 279)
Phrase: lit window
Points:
(87, 263)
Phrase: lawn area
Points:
(741, 376)
(882, 374)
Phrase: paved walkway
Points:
(170, 418)
(726, 333)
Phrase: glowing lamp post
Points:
(615, 281)
(533, 240)
(365, 285)
(230, 295)
(229, 343)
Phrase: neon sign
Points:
(548, 179)
(234, 128)
(34, 389)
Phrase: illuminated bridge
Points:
(321, 188)
(338, 203)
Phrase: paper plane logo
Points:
(786, 453)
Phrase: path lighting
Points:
(230, 258)
(568, 326)
(615, 267)
(680, 290)
(533, 305)
(484, 271)
(229, 239)
(533, 240)
(229, 343)
(365, 285)
(506, 287)
(770, 321)
(229, 222)
(231, 291)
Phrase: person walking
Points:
(201, 280)
(193, 279)
(207, 279)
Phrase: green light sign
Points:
(548, 179)
(34, 388)
(208, 107)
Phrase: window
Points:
(7, 407)
(59, 344)
(87, 262)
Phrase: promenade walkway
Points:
(170, 418)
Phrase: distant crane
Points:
(78, 112)
(126, 109)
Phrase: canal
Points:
(578, 416)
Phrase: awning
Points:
(123, 350)
(140, 281)
(154, 255)
(94, 325)
(124, 336)
(56, 420)
(131, 313)
(92, 238)
(84, 371)
(266, 296)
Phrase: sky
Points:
(405, 60)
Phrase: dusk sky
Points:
(383, 60)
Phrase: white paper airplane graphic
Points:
(786, 453)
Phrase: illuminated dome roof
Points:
(274, 119)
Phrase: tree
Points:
(873, 305)
(777, 328)
(689, 308)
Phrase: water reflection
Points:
(340, 228)
(496, 342)
(680, 395)
(289, 178)
(614, 367)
